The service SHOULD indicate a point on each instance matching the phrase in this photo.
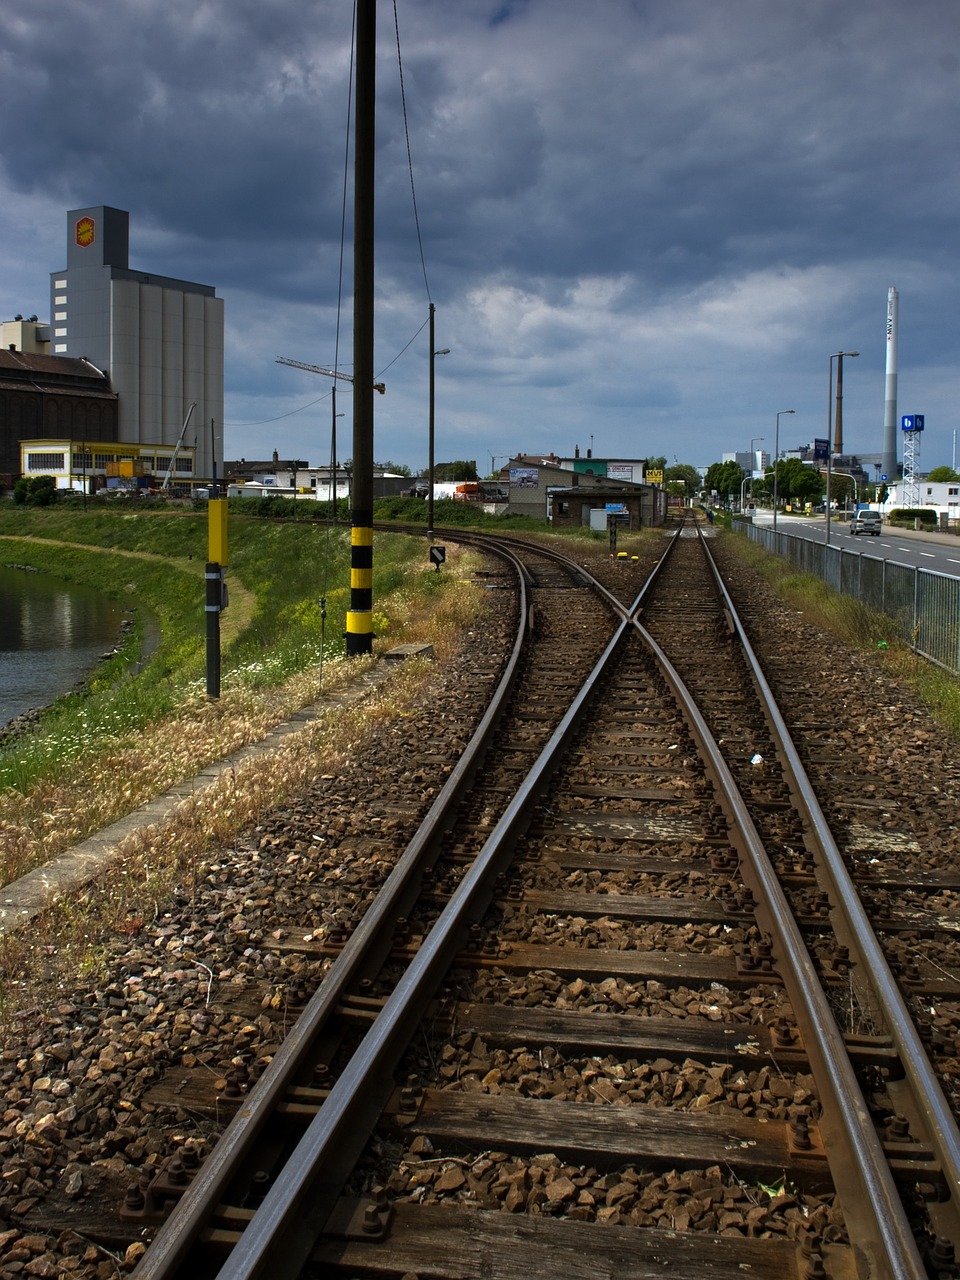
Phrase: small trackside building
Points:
(635, 506)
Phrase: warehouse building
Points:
(157, 339)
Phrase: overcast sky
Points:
(646, 224)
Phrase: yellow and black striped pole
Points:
(359, 633)
(360, 613)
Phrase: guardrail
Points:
(924, 604)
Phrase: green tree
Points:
(459, 470)
(842, 489)
(687, 475)
(794, 480)
(940, 475)
(724, 479)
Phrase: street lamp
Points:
(444, 351)
(776, 458)
(856, 488)
(838, 356)
(333, 450)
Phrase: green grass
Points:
(152, 563)
(861, 629)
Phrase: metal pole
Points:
(838, 416)
(838, 356)
(333, 451)
(826, 496)
(430, 422)
(214, 580)
(359, 621)
(776, 458)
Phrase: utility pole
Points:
(359, 619)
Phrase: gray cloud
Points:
(650, 224)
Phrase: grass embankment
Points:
(861, 629)
(96, 755)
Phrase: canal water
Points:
(52, 635)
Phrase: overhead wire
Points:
(343, 223)
(406, 134)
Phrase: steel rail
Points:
(869, 1190)
(196, 1209)
(515, 545)
(937, 1116)
(180, 1230)
(280, 1236)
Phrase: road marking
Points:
(950, 560)
(929, 554)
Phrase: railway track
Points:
(606, 1024)
(613, 1010)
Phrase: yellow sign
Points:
(653, 477)
(86, 232)
(217, 531)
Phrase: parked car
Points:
(865, 522)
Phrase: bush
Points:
(905, 516)
(35, 491)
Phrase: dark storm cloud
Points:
(636, 217)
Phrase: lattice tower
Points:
(911, 465)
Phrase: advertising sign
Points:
(911, 422)
(654, 477)
(524, 477)
(86, 232)
(620, 471)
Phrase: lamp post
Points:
(333, 451)
(838, 356)
(444, 351)
(856, 487)
(776, 459)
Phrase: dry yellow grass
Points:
(52, 817)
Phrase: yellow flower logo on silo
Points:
(86, 232)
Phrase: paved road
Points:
(936, 551)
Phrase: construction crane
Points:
(173, 461)
(330, 373)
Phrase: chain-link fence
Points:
(924, 605)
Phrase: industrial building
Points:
(569, 490)
(158, 340)
(128, 358)
(43, 396)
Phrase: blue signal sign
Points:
(911, 422)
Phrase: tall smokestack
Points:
(888, 459)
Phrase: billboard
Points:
(524, 477)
